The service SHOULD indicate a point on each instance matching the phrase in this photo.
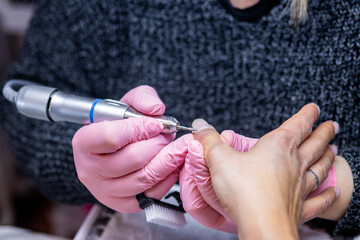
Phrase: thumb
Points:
(214, 148)
(145, 100)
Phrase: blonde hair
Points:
(298, 10)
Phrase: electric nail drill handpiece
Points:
(50, 104)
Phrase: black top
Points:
(252, 13)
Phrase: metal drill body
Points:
(50, 104)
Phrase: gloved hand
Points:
(197, 194)
(118, 159)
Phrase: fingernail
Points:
(200, 124)
(334, 149)
(336, 126)
(318, 108)
(337, 191)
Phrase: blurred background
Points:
(20, 204)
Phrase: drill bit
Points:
(186, 128)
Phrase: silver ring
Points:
(316, 178)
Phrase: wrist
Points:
(267, 221)
(268, 228)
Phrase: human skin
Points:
(312, 207)
(345, 182)
(277, 165)
(242, 4)
(201, 202)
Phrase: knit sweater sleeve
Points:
(43, 149)
(350, 223)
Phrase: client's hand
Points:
(263, 190)
(116, 160)
(200, 200)
(318, 201)
(197, 193)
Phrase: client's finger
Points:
(314, 146)
(300, 125)
(320, 169)
(237, 141)
(214, 147)
(315, 206)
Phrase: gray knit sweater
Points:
(203, 61)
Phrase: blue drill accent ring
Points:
(91, 117)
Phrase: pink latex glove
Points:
(197, 194)
(118, 159)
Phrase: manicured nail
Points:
(336, 126)
(337, 191)
(334, 149)
(318, 108)
(200, 124)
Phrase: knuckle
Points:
(307, 122)
(323, 171)
(141, 128)
(281, 133)
(330, 130)
(110, 136)
(285, 139)
(306, 215)
(187, 138)
(195, 207)
(136, 124)
(149, 177)
(317, 145)
(327, 158)
(189, 206)
(214, 154)
(325, 202)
